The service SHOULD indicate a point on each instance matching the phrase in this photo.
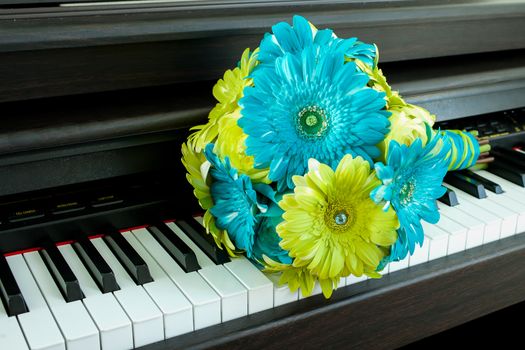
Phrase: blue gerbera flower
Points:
(293, 39)
(237, 203)
(411, 183)
(312, 105)
(267, 240)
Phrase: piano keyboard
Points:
(136, 287)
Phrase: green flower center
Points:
(339, 217)
(311, 122)
(406, 193)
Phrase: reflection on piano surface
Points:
(101, 240)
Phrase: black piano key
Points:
(507, 171)
(61, 272)
(96, 265)
(198, 234)
(10, 293)
(466, 184)
(510, 156)
(175, 247)
(128, 257)
(489, 185)
(449, 198)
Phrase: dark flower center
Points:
(311, 122)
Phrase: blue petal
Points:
(236, 204)
(414, 175)
(314, 77)
(384, 173)
(294, 39)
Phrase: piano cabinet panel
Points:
(500, 325)
(47, 168)
(65, 71)
(128, 46)
(396, 310)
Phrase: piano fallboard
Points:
(123, 46)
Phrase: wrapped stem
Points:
(465, 149)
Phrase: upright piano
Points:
(99, 235)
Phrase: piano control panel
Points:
(505, 132)
(51, 207)
(492, 125)
(59, 214)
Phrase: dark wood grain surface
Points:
(382, 314)
(449, 87)
(53, 51)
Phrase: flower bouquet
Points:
(312, 166)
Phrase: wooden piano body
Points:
(100, 92)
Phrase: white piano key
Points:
(438, 241)
(342, 282)
(11, 336)
(513, 197)
(111, 320)
(206, 303)
(260, 288)
(74, 322)
(508, 218)
(39, 327)
(146, 317)
(492, 222)
(354, 279)
(475, 228)
(512, 205)
(401, 264)
(177, 310)
(281, 293)
(509, 187)
(421, 254)
(316, 291)
(234, 296)
(457, 240)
